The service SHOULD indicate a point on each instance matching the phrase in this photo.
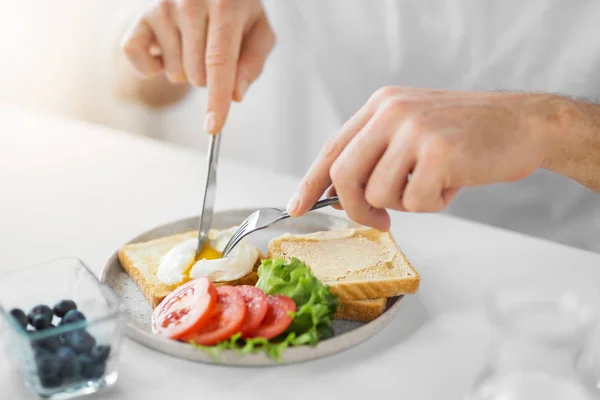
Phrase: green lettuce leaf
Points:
(315, 304)
(271, 348)
(312, 321)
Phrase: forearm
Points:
(572, 140)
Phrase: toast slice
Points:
(141, 261)
(361, 310)
(357, 264)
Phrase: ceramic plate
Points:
(347, 333)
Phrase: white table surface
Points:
(68, 188)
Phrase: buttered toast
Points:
(358, 265)
(141, 261)
(363, 267)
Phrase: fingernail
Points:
(180, 77)
(293, 204)
(243, 88)
(210, 122)
(177, 77)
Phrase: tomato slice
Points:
(277, 319)
(185, 310)
(256, 307)
(227, 318)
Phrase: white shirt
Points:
(356, 46)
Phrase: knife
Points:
(210, 191)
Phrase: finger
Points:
(424, 191)
(358, 159)
(352, 201)
(222, 53)
(449, 195)
(161, 20)
(352, 169)
(332, 192)
(427, 189)
(136, 45)
(388, 180)
(317, 179)
(257, 45)
(192, 17)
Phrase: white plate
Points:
(347, 333)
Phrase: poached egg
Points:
(179, 264)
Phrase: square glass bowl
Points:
(73, 358)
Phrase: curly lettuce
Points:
(272, 348)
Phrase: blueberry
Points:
(85, 360)
(69, 365)
(72, 316)
(100, 353)
(50, 344)
(89, 368)
(64, 306)
(93, 371)
(50, 381)
(65, 352)
(40, 322)
(20, 316)
(48, 365)
(40, 352)
(81, 341)
(64, 338)
(40, 310)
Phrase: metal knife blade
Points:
(210, 191)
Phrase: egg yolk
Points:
(207, 253)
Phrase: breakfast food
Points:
(362, 266)
(246, 302)
(66, 358)
(161, 265)
(276, 320)
(288, 307)
(361, 310)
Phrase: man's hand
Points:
(413, 149)
(221, 44)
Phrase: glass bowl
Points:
(72, 357)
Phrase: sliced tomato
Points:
(227, 318)
(277, 319)
(256, 307)
(186, 309)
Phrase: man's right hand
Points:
(220, 44)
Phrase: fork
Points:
(264, 218)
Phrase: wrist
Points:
(562, 125)
(570, 131)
